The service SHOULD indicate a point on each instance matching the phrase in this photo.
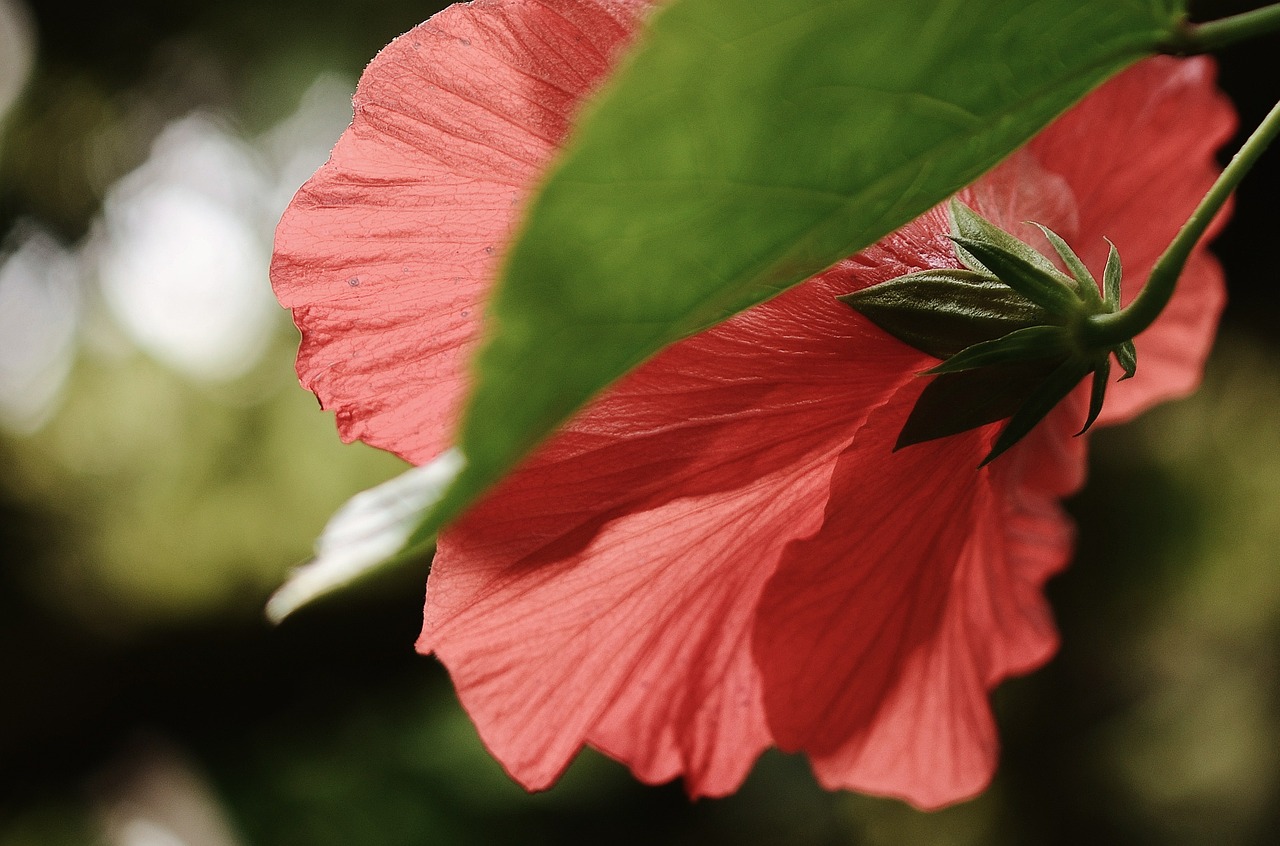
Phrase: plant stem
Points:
(1112, 329)
(1190, 38)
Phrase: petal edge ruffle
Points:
(386, 254)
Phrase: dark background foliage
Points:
(148, 512)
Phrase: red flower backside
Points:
(723, 552)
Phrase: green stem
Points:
(1189, 38)
(1112, 329)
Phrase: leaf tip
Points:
(370, 530)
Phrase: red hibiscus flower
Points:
(723, 552)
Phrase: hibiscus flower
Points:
(723, 552)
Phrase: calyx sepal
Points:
(1007, 328)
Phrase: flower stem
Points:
(1190, 38)
(1116, 328)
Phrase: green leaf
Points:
(942, 312)
(971, 227)
(743, 147)
(1085, 283)
(1029, 344)
(1127, 355)
(1111, 278)
(1051, 291)
(1048, 394)
(957, 402)
(1098, 393)
(1014, 262)
(969, 261)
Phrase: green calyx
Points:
(1010, 328)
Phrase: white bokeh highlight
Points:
(182, 254)
(180, 251)
(184, 243)
(40, 308)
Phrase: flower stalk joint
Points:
(1011, 329)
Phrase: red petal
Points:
(621, 643)
(605, 593)
(386, 254)
(1139, 154)
(879, 637)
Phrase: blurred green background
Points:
(160, 470)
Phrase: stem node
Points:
(1188, 39)
(1121, 326)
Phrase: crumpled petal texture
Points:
(386, 253)
(723, 552)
